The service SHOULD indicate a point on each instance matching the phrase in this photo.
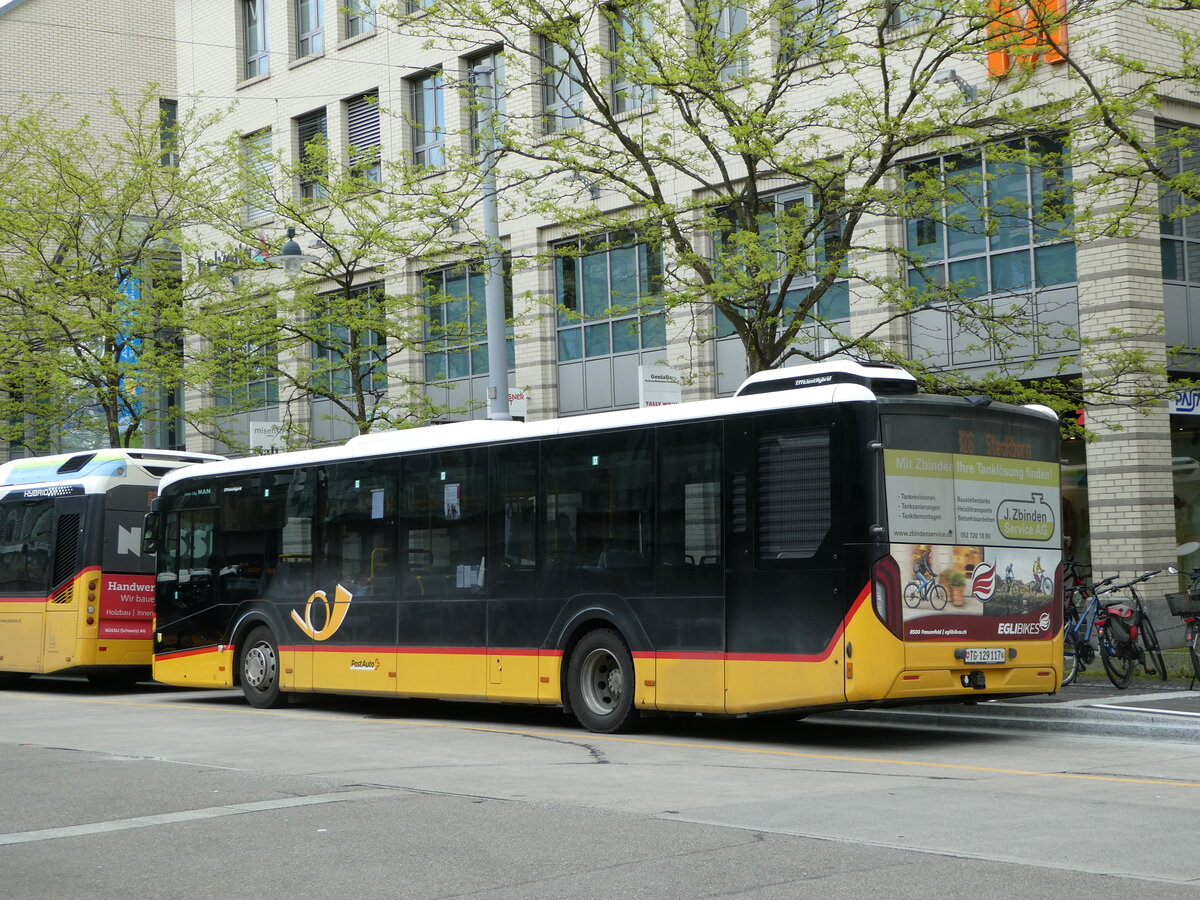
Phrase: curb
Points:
(1094, 718)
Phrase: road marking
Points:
(581, 736)
(189, 815)
(1157, 711)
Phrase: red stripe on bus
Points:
(458, 651)
(195, 651)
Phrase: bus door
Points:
(788, 504)
(343, 627)
(441, 570)
(126, 608)
(27, 527)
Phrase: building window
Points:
(484, 71)
(806, 28)
(360, 17)
(362, 121)
(428, 120)
(910, 13)
(997, 232)
(258, 169)
(608, 293)
(248, 379)
(254, 29)
(562, 90)
(627, 33)
(456, 329)
(310, 130)
(310, 28)
(1179, 216)
(341, 350)
(168, 135)
(415, 7)
(791, 211)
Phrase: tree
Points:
(91, 231)
(683, 123)
(331, 332)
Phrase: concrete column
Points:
(1130, 491)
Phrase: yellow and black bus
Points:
(827, 538)
(76, 592)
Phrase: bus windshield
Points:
(26, 539)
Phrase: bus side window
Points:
(689, 510)
(443, 524)
(358, 527)
(794, 492)
(598, 530)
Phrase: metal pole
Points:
(497, 338)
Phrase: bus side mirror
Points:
(150, 534)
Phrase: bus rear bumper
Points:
(973, 681)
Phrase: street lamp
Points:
(291, 257)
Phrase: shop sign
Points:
(1185, 403)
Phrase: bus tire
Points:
(258, 667)
(600, 682)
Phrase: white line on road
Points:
(190, 815)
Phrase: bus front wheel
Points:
(259, 668)
(600, 683)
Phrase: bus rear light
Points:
(885, 580)
(91, 620)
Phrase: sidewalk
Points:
(1149, 708)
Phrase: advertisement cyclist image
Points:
(923, 570)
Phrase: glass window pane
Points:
(1011, 271)
(625, 335)
(595, 284)
(964, 209)
(597, 339)
(565, 281)
(1008, 203)
(624, 268)
(969, 277)
(479, 360)
(836, 302)
(570, 344)
(925, 282)
(1172, 261)
(458, 363)
(1193, 262)
(654, 331)
(1055, 264)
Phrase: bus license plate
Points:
(984, 655)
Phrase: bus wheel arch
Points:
(599, 680)
(258, 667)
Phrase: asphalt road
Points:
(160, 792)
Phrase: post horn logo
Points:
(334, 616)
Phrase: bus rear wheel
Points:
(259, 669)
(600, 683)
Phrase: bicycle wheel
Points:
(937, 597)
(1194, 648)
(912, 595)
(1070, 645)
(1118, 661)
(1155, 664)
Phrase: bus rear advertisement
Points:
(827, 538)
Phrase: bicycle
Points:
(1186, 605)
(1079, 625)
(1133, 634)
(915, 592)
